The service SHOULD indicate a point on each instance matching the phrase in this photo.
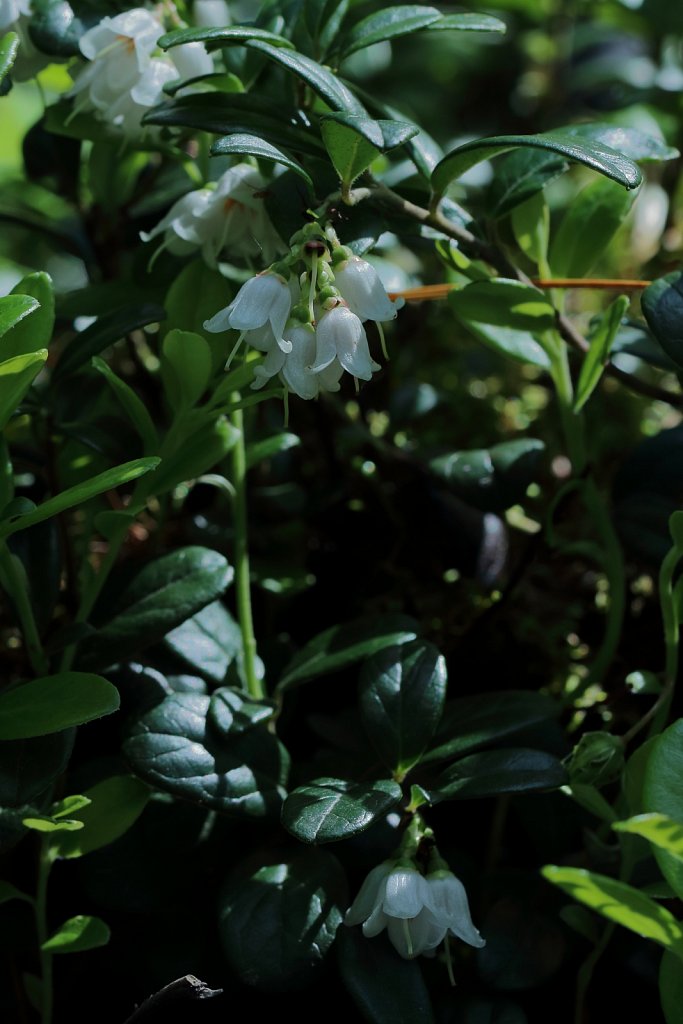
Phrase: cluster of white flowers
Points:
(310, 325)
(229, 215)
(417, 910)
(124, 78)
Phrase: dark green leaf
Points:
(79, 494)
(9, 45)
(384, 135)
(350, 151)
(620, 903)
(591, 153)
(482, 720)
(588, 226)
(16, 376)
(601, 337)
(35, 333)
(345, 645)
(252, 145)
(326, 810)
(107, 329)
(10, 892)
(496, 478)
(14, 308)
(218, 38)
(631, 142)
(662, 794)
(467, 23)
(662, 305)
(55, 28)
(53, 703)
(278, 924)
(385, 989)
(162, 595)
(671, 988)
(175, 748)
(28, 767)
(206, 644)
(186, 367)
(514, 770)
(77, 935)
(402, 693)
(323, 82)
(388, 24)
(474, 309)
(115, 804)
(521, 175)
(133, 406)
(232, 711)
(197, 453)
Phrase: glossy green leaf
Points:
(327, 810)
(662, 794)
(593, 154)
(516, 310)
(386, 990)
(162, 595)
(252, 145)
(48, 825)
(402, 693)
(270, 447)
(588, 226)
(107, 329)
(13, 309)
(467, 23)
(277, 924)
(530, 223)
(206, 644)
(662, 304)
(53, 703)
(323, 82)
(29, 767)
(10, 892)
(218, 38)
(232, 712)
(482, 720)
(492, 478)
(56, 28)
(9, 45)
(601, 338)
(35, 333)
(174, 748)
(519, 176)
(115, 804)
(16, 376)
(77, 935)
(631, 142)
(197, 454)
(345, 645)
(186, 367)
(491, 772)
(620, 903)
(422, 149)
(671, 988)
(388, 23)
(132, 405)
(660, 830)
(79, 494)
(69, 805)
(350, 151)
(235, 114)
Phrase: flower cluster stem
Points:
(44, 865)
(242, 576)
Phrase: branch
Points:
(478, 249)
(173, 997)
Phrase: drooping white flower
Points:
(126, 39)
(264, 299)
(340, 335)
(191, 60)
(362, 290)
(230, 217)
(127, 110)
(211, 13)
(417, 912)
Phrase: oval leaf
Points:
(388, 23)
(473, 310)
(217, 38)
(36, 333)
(588, 226)
(115, 804)
(493, 479)
(491, 772)
(323, 82)
(14, 308)
(662, 305)
(593, 154)
(662, 794)
(402, 694)
(107, 329)
(327, 810)
(174, 748)
(9, 45)
(252, 145)
(53, 703)
(77, 935)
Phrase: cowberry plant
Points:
(340, 526)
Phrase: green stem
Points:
(14, 582)
(671, 637)
(242, 581)
(44, 865)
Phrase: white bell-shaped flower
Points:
(211, 13)
(183, 227)
(191, 60)
(361, 288)
(127, 110)
(126, 38)
(450, 908)
(340, 335)
(264, 299)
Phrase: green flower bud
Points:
(301, 313)
(598, 758)
(328, 295)
(340, 254)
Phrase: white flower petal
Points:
(406, 893)
(220, 322)
(370, 894)
(448, 903)
(376, 923)
(191, 60)
(296, 372)
(362, 289)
